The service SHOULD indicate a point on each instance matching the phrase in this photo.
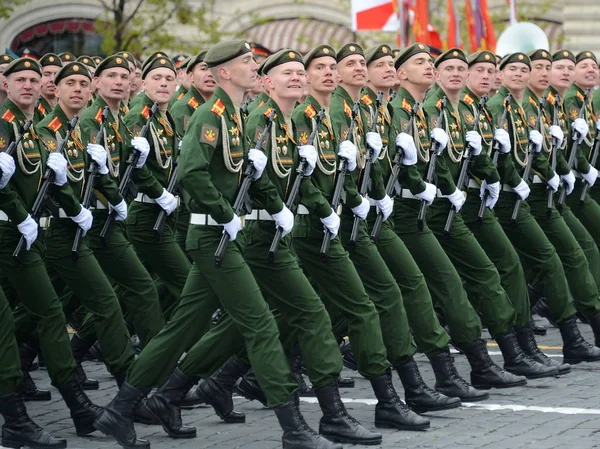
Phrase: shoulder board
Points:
(41, 108)
(268, 111)
(55, 124)
(551, 98)
(180, 96)
(366, 99)
(8, 116)
(580, 96)
(310, 111)
(193, 102)
(218, 107)
(347, 109)
(145, 112)
(406, 105)
(532, 101)
(98, 116)
(468, 99)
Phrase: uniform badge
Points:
(468, 117)
(209, 135)
(50, 143)
(3, 143)
(573, 112)
(531, 118)
(303, 137)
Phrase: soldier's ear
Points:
(269, 82)
(144, 84)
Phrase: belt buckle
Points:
(45, 222)
(243, 220)
(339, 210)
(178, 200)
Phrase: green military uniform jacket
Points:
(562, 165)
(154, 176)
(178, 95)
(42, 110)
(139, 98)
(573, 103)
(260, 99)
(183, 109)
(213, 153)
(596, 100)
(17, 198)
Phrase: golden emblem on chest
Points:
(282, 139)
(322, 134)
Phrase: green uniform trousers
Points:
(34, 289)
(234, 287)
(443, 281)
(499, 249)
(577, 271)
(428, 333)
(539, 258)
(342, 290)
(182, 225)
(10, 368)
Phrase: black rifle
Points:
(89, 187)
(339, 186)
(240, 199)
(42, 196)
(530, 156)
(462, 176)
(553, 149)
(393, 178)
(496, 150)
(433, 154)
(562, 196)
(245, 104)
(172, 187)
(126, 179)
(366, 179)
(290, 203)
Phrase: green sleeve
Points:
(11, 205)
(562, 165)
(483, 167)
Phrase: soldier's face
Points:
(562, 73)
(586, 73)
(160, 85)
(287, 80)
(540, 75)
(353, 70)
(241, 71)
(417, 70)
(381, 73)
(202, 79)
(498, 79)
(480, 78)
(48, 87)
(113, 84)
(23, 88)
(515, 76)
(135, 82)
(2, 78)
(321, 74)
(451, 75)
(74, 92)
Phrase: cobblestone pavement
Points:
(547, 413)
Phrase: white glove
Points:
(522, 190)
(285, 220)
(457, 198)
(374, 142)
(120, 209)
(407, 143)
(440, 136)
(569, 180)
(598, 124)
(558, 134)
(347, 151)
(233, 227)
(580, 126)
(98, 155)
(362, 210)
(332, 223)
(141, 145)
(7, 167)
(84, 219)
(473, 139)
(591, 176)
(386, 206)
(503, 138)
(554, 182)
(535, 137)
(308, 153)
(29, 229)
(259, 161)
(167, 201)
(428, 194)
(493, 190)
(58, 164)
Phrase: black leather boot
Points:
(348, 355)
(248, 387)
(527, 342)
(19, 430)
(297, 434)
(192, 398)
(595, 324)
(83, 412)
(541, 309)
(27, 388)
(485, 374)
(536, 328)
(450, 383)
(117, 419)
(390, 411)
(520, 364)
(336, 424)
(164, 404)
(80, 347)
(345, 382)
(218, 388)
(295, 362)
(418, 396)
(95, 352)
(575, 348)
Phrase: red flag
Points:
(471, 29)
(453, 34)
(489, 36)
(421, 22)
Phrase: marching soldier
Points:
(51, 64)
